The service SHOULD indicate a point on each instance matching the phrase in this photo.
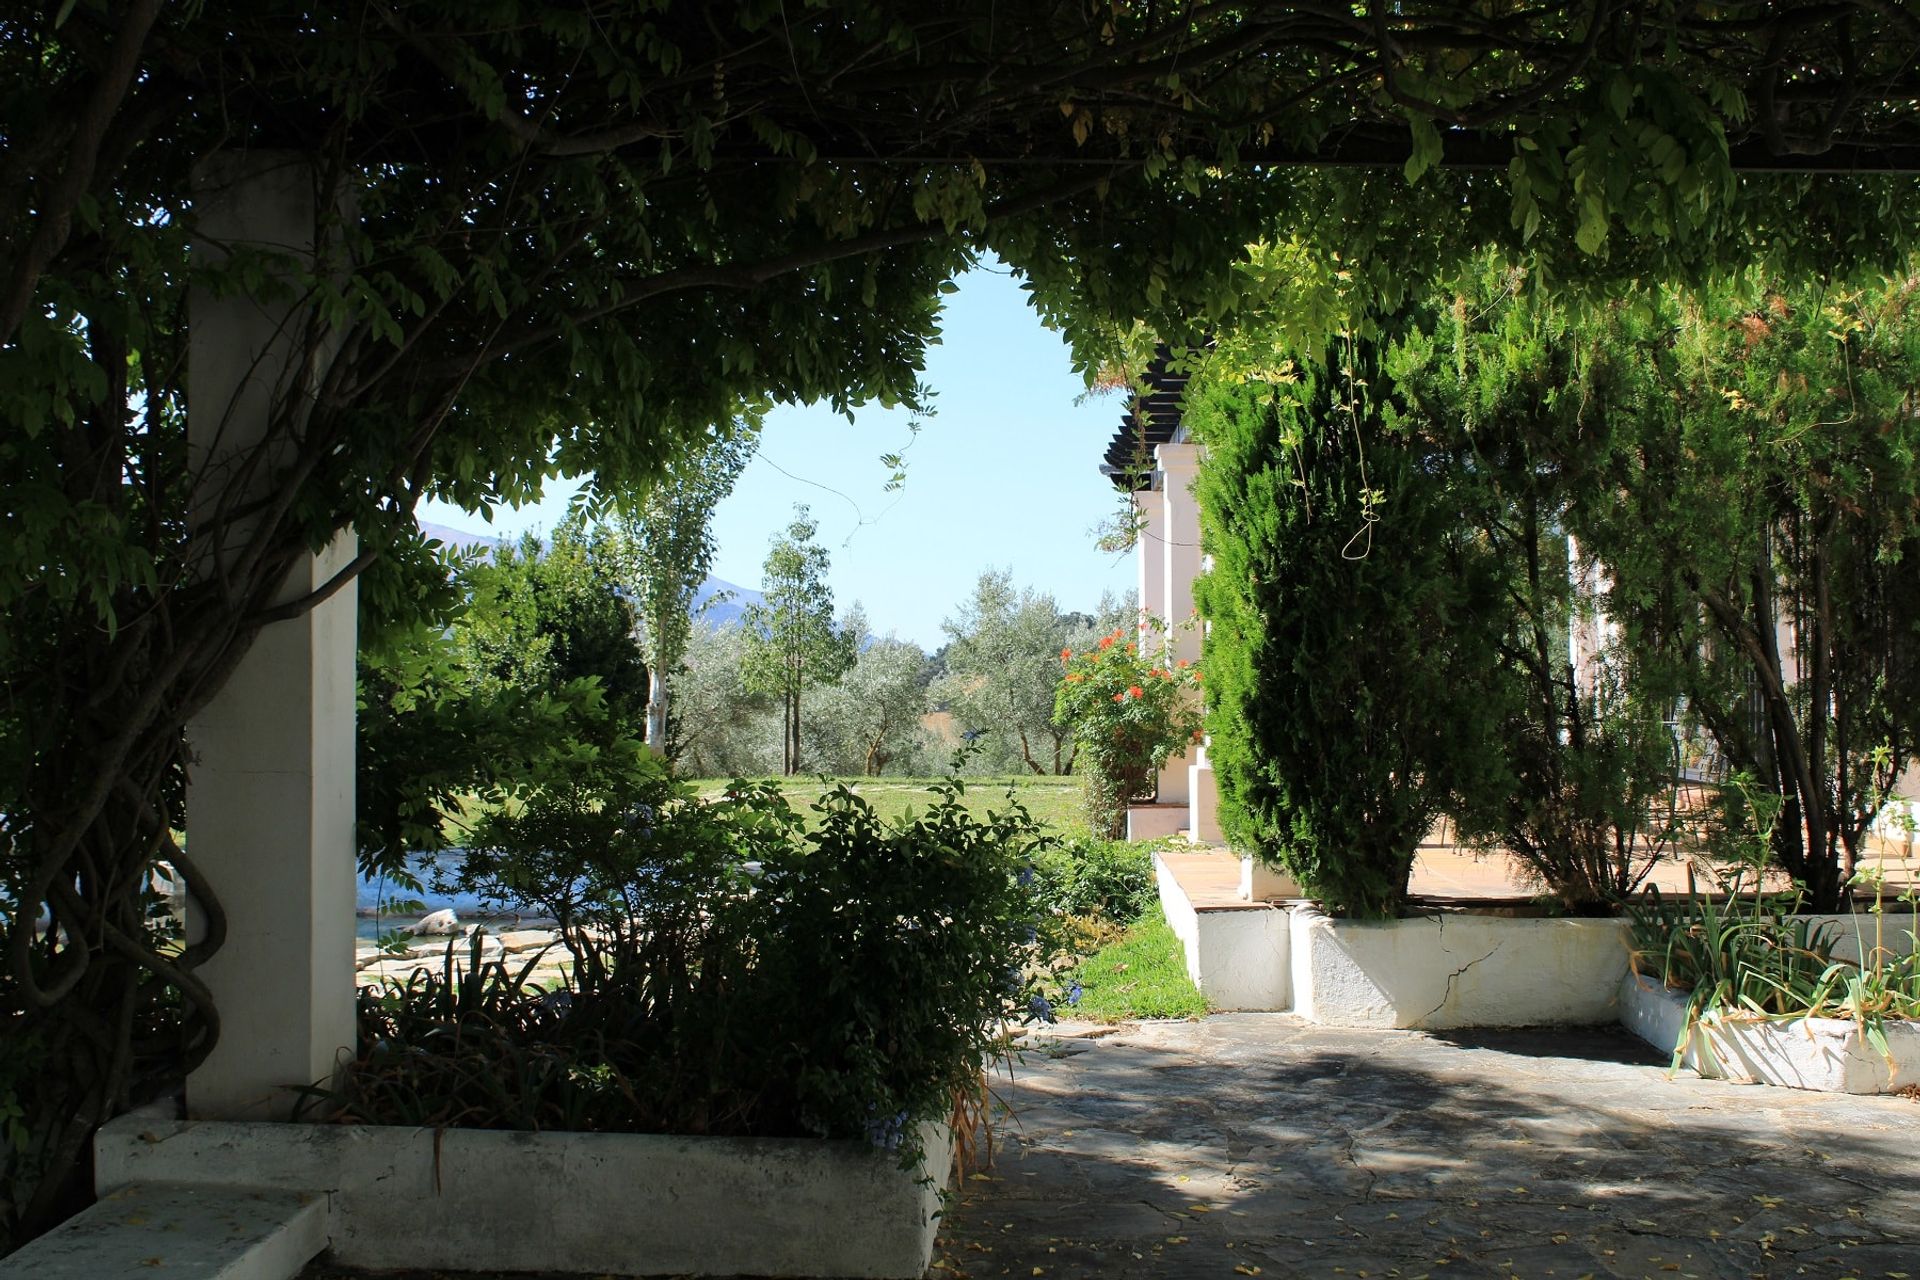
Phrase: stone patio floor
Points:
(1256, 1144)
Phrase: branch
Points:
(55, 223)
(747, 276)
(316, 597)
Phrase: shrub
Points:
(1091, 876)
(1345, 657)
(1576, 780)
(1130, 707)
(734, 973)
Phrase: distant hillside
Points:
(457, 537)
(727, 612)
(723, 614)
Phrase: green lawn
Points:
(1143, 975)
(1053, 802)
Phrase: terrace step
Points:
(180, 1233)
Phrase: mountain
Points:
(726, 613)
(729, 611)
(458, 537)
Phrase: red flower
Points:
(1183, 664)
(1119, 697)
(1106, 642)
(1134, 691)
(1066, 655)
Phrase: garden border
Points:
(1829, 1055)
(594, 1203)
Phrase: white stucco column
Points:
(1179, 463)
(1180, 565)
(271, 794)
(1150, 551)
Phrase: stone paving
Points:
(1255, 1144)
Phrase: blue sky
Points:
(1004, 475)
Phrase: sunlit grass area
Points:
(1142, 975)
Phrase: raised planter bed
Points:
(1496, 963)
(592, 1203)
(1236, 951)
(1456, 969)
(1826, 1054)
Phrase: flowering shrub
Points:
(734, 972)
(1130, 707)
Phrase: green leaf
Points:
(1427, 147)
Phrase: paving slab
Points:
(180, 1233)
(1256, 1144)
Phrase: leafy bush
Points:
(1090, 876)
(733, 973)
(1578, 778)
(1129, 706)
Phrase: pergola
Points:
(1039, 125)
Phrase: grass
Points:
(1142, 975)
(1054, 802)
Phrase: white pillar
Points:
(1150, 552)
(271, 795)
(1178, 463)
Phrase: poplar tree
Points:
(664, 545)
(792, 642)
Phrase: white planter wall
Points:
(1450, 969)
(594, 1203)
(1456, 970)
(1239, 956)
(1827, 1054)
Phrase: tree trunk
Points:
(656, 710)
(796, 730)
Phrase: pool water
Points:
(374, 898)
